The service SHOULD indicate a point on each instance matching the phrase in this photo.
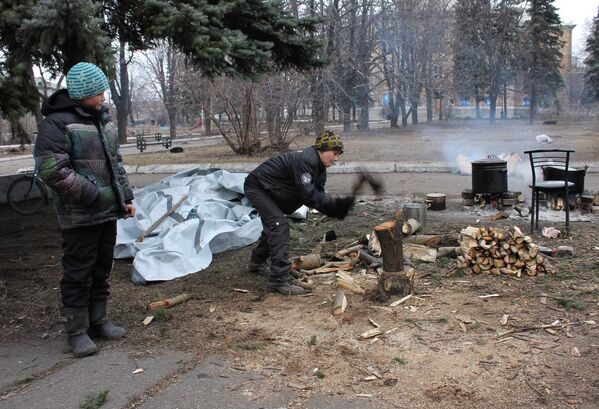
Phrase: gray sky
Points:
(581, 13)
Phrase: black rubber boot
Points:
(285, 288)
(99, 324)
(261, 269)
(76, 323)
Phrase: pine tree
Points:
(541, 52)
(244, 37)
(591, 86)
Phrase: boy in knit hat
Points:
(280, 186)
(77, 154)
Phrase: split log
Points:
(450, 252)
(411, 226)
(346, 281)
(306, 262)
(340, 303)
(344, 252)
(522, 210)
(394, 280)
(420, 253)
(433, 240)
(364, 256)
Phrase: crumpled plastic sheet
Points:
(550, 232)
(215, 217)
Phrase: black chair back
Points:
(559, 161)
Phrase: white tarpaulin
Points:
(214, 218)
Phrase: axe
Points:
(364, 176)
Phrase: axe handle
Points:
(162, 218)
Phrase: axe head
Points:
(375, 183)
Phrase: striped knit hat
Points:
(85, 80)
(329, 141)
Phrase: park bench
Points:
(142, 143)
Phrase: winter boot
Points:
(76, 323)
(99, 324)
(261, 269)
(285, 288)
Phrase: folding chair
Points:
(541, 159)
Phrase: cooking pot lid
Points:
(435, 195)
(562, 167)
(489, 162)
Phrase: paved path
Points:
(39, 374)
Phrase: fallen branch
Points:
(535, 327)
(169, 302)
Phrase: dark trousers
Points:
(274, 241)
(87, 261)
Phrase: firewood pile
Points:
(363, 256)
(497, 251)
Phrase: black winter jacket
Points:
(77, 155)
(297, 178)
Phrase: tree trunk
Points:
(429, 105)
(121, 95)
(394, 280)
(533, 101)
(36, 111)
(492, 108)
(414, 109)
(172, 121)
(206, 112)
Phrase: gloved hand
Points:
(342, 206)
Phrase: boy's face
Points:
(94, 102)
(328, 158)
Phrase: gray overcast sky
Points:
(579, 12)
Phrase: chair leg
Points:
(537, 211)
(567, 214)
(532, 214)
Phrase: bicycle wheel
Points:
(26, 195)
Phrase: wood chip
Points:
(138, 370)
(364, 395)
(148, 319)
(504, 319)
(374, 324)
(488, 296)
(400, 301)
(240, 290)
(575, 352)
(371, 333)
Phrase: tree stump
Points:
(394, 280)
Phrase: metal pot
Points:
(575, 176)
(436, 201)
(415, 211)
(489, 176)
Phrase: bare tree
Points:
(164, 65)
(235, 100)
(281, 97)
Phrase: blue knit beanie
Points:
(85, 80)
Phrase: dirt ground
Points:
(443, 348)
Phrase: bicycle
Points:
(27, 193)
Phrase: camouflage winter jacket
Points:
(77, 155)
